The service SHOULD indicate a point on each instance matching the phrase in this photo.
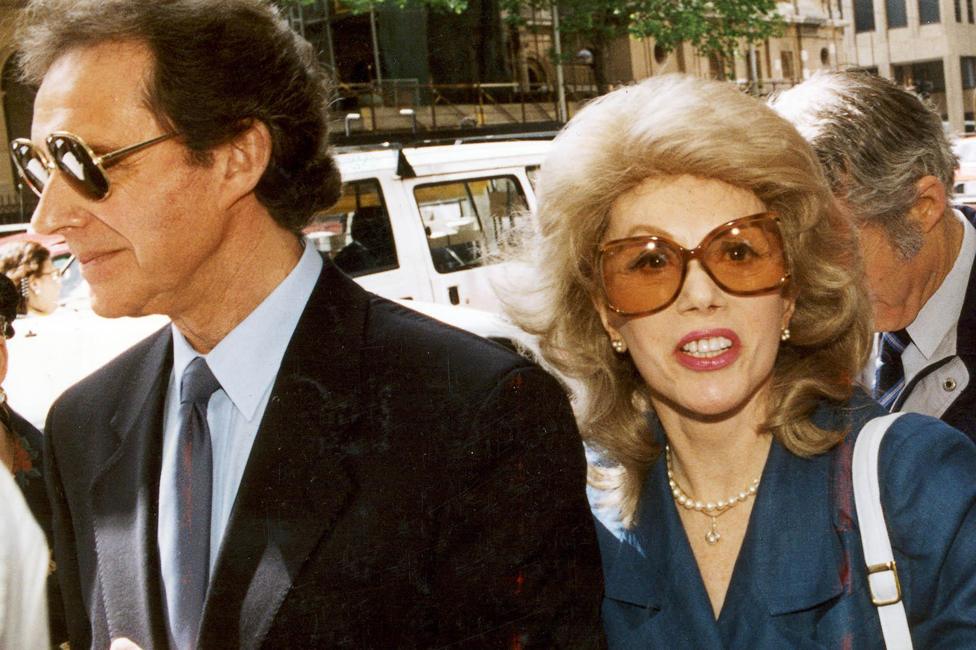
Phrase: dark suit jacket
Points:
(800, 579)
(962, 413)
(410, 485)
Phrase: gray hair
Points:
(875, 140)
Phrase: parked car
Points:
(420, 225)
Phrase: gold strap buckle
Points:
(880, 568)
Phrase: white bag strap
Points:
(882, 572)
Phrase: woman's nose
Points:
(699, 291)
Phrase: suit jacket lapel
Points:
(792, 558)
(124, 501)
(656, 569)
(293, 487)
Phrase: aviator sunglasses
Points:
(83, 170)
(643, 275)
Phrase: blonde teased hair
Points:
(670, 126)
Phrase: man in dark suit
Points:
(295, 462)
(891, 168)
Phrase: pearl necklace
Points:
(709, 508)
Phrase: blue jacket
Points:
(799, 581)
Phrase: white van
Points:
(417, 223)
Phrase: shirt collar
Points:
(938, 317)
(246, 361)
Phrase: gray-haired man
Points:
(890, 166)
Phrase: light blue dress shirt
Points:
(245, 363)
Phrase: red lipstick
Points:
(729, 349)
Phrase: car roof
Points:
(439, 159)
(54, 243)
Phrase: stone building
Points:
(929, 45)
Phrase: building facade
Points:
(929, 45)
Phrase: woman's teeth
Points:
(710, 347)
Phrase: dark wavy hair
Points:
(9, 300)
(219, 65)
(23, 261)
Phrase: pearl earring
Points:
(618, 346)
(785, 336)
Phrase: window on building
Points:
(356, 232)
(926, 78)
(786, 61)
(957, 6)
(969, 11)
(897, 16)
(928, 11)
(863, 15)
(467, 221)
(968, 65)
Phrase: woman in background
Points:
(20, 454)
(695, 277)
(30, 267)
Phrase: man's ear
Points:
(245, 159)
(930, 206)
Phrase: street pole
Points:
(376, 46)
(563, 114)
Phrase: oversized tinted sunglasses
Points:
(642, 275)
(81, 167)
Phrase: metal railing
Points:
(381, 106)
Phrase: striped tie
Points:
(890, 379)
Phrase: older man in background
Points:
(891, 168)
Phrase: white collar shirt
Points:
(933, 334)
(245, 363)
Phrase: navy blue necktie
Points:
(890, 379)
(194, 477)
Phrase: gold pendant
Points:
(713, 536)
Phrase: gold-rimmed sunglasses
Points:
(643, 275)
(84, 170)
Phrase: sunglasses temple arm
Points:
(125, 151)
(67, 265)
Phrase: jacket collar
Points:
(124, 502)
(294, 485)
(792, 557)
(966, 345)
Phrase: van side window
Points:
(466, 220)
(356, 231)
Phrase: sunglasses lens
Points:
(72, 158)
(641, 276)
(30, 165)
(747, 258)
(644, 275)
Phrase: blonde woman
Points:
(695, 278)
